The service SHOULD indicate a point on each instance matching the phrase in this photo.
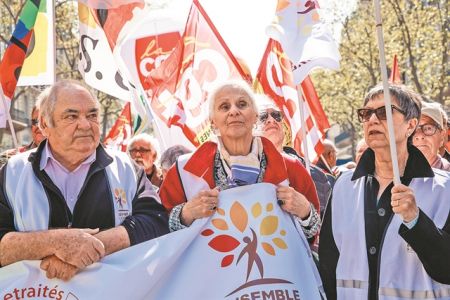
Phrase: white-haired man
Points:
(69, 203)
(143, 149)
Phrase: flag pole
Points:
(387, 95)
(11, 126)
(303, 128)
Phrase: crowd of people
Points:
(68, 201)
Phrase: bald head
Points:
(329, 153)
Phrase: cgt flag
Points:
(179, 86)
(249, 249)
(274, 78)
(305, 39)
(12, 61)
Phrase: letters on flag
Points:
(248, 247)
(305, 39)
(39, 65)
(14, 56)
(274, 79)
(121, 132)
(179, 87)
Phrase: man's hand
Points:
(56, 268)
(204, 204)
(78, 247)
(403, 202)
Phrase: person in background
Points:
(191, 188)
(430, 135)
(144, 149)
(70, 202)
(271, 127)
(381, 240)
(443, 151)
(327, 161)
(361, 147)
(169, 157)
(36, 133)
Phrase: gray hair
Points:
(239, 85)
(48, 98)
(410, 102)
(146, 138)
(169, 157)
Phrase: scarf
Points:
(242, 169)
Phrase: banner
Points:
(180, 85)
(12, 60)
(305, 39)
(249, 249)
(395, 72)
(39, 65)
(275, 79)
(107, 4)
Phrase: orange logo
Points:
(269, 239)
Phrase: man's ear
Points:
(43, 126)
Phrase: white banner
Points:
(249, 249)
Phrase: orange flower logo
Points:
(270, 238)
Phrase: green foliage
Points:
(415, 30)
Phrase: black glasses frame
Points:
(434, 128)
(364, 114)
(276, 115)
(34, 122)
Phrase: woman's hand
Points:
(293, 202)
(403, 202)
(204, 204)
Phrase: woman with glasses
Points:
(191, 187)
(380, 241)
(430, 135)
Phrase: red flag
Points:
(179, 86)
(274, 78)
(395, 72)
(121, 132)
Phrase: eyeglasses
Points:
(364, 114)
(34, 122)
(140, 150)
(427, 129)
(275, 114)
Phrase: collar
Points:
(101, 157)
(417, 165)
(47, 155)
(201, 163)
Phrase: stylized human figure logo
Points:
(121, 197)
(225, 243)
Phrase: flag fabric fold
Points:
(178, 88)
(121, 132)
(274, 78)
(305, 39)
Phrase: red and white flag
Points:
(275, 79)
(180, 85)
(121, 132)
(305, 39)
(108, 4)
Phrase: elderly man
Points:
(143, 149)
(69, 203)
(430, 135)
(169, 157)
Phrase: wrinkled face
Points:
(428, 138)
(233, 115)
(271, 121)
(35, 131)
(76, 130)
(376, 131)
(143, 154)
